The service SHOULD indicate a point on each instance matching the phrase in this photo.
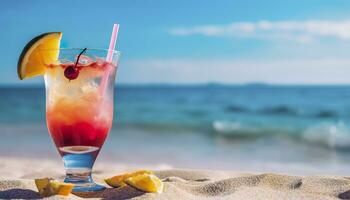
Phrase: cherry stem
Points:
(76, 63)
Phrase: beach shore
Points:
(17, 181)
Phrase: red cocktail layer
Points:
(76, 131)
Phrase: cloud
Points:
(301, 71)
(301, 31)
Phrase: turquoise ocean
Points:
(256, 127)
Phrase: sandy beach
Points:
(17, 182)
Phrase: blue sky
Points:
(188, 41)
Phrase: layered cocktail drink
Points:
(79, 109)
(79, 99)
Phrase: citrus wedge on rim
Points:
(32, 59)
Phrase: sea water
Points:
(305, 129)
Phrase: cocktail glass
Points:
(79, 109)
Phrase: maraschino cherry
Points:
(72, 71)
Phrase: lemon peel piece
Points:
(118, 181)
(146, 183)
(41, 184)
(48, 187)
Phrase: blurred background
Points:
(227, 85)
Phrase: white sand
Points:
(16, 181)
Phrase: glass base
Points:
(82, 180)
(86, 187)
(78, 161)
(93, 188)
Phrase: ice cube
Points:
(99, 61)
(65, 61)
(89, 87)
(83, 60)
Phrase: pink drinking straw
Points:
(112, 43)
(109, 57)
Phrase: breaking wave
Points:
(330, 135)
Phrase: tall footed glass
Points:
(79, 109)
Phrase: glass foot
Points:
(91, 188)
(85, 184)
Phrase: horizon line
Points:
(212, 84)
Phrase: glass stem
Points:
(78, 168)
